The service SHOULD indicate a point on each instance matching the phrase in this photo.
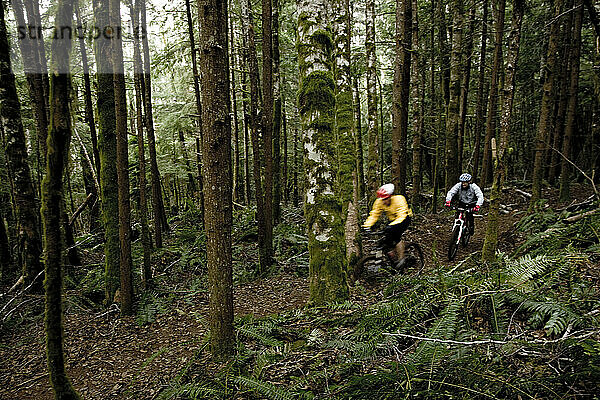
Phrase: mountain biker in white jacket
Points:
(470, 197)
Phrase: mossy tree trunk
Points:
(238, 188)
(360, 164)
(481, 97)
(372, 100)
(322, 207)
(490, 244)
(59, 137)
(345, 132)
(452, 119)
(24, 200)
(547, 106)
(401, 93)
(465, 84)
(499, 7)
(107, 147)
(216, 169)
(570, 124)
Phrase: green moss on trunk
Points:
(322, 206)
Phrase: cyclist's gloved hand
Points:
(448, 203)
(476, 208)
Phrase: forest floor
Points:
(113, 357)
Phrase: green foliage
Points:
(151, 305)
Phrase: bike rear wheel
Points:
(453, 243)
(466, 235)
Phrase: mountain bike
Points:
(379, 261)
(460, 232)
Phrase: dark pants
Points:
(468, 215)
(393, 233)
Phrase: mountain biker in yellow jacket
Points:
(399, 215)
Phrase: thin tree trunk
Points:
(464, 87)
(296, 167)
(490, 127)
(401, 92)
(107, 146)
(217, 172)
(490, 244)
(452, 121)
(59, 137)
(372, 120)
(139, 88)
(198, 105)
(419, 95)
(236, 141)
(24, 199)
(344, 125)
(89, 117)
(267, 126)
(572, 106)
(284, 174)
(481, 97)
(259, 188)
(546, 108)
(277, 181)
(158, 207)
(122, 163)
(360, 167)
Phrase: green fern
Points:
(265, 389)
(198, 390)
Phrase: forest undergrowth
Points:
(526, 326)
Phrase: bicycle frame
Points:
(461, 221)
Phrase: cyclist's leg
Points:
(471, 220)
(401, 228)
(389, 241)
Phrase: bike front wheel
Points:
(453, 243)
(413, 261)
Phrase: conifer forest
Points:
(299, 199)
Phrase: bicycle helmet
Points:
(465, 178)
(385, 191)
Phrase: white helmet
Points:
(386, 191)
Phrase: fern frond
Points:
(201, 390)
(266, 389)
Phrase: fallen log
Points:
(80, 209)
(524, 194)
(575, 218)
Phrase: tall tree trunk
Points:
(453, 117)
(284, 173)
(277, 176)
(401, 92)
(107, 146)
(139, 88)
(259, 188)
(572, 106)
(418, 93)
(89, 117)
(237, 186)
(158, 207)
(316, 100)
(546, 108)
(344, 125)
(122, 162)
(5, 256)
(267, 124)
(296, 166)
(464, 87)
(197, 96)
(217, 172)
(491, 237)
(34, 72)
(372, 112)
(24, 199)
(499, 7)
(360, 167)
(59, 138)
(481, 97)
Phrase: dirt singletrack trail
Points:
(112, 357)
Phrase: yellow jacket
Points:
(396, 212)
